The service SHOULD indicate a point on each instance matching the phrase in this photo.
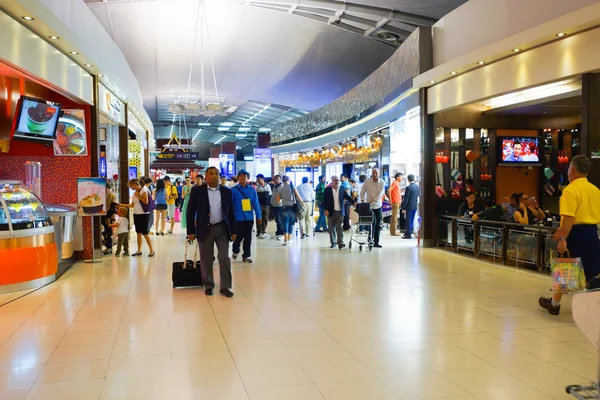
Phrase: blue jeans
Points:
(288, 220)
(276, 211)
(322, 221)
(410, 219)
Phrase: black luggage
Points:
(187, 273)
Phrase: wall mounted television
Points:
(520, 151)
(36, 119)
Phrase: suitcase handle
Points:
(185, 254)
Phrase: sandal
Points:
(139, 253)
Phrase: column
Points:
(147, 155)
(590, 122)
(428, 170)
(95, 160)
(124, 160)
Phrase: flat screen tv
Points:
(517, 150)
(36, 119)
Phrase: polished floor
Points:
(306, 322)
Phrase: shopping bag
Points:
(187, 273)
(177, 215)
(567, 275)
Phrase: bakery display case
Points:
(27, 240)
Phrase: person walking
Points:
(122, 226)
(395, 196)
(333, 204)
(245, 204)
(319, 197)
(345, 184)
(172, 196)
(211, 219)
(160, 204)
(276, 206)
(288, 196)
(263, 190)
(185, 194)
(307, 194)
(579, 219)
(410, 204)
(372, 192)
(198, 180)
(150, 186)
(139, 203)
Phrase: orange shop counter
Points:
(27, 244)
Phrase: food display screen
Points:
(37, 119)
(519, 150)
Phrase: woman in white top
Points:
(141, 214)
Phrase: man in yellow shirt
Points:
(172, 195)
(578, 232)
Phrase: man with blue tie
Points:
(211, 218)
(333, 203)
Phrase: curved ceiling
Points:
(259, 54)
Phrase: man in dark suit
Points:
(211, 218)
(333, 203)
(410, 202)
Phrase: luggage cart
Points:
(586, 307)
(361, 215)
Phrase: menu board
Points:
(91, 196)
(70, 134)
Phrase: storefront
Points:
(112, 117)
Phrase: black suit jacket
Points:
(411, 197)
(328, 204)
(198, 211)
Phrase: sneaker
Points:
(332, 246)
(285, 243)
(169, 232)
(280, 238)
(303, 236)
(546, 302)
(265, 236)
(235, 255)
(247, 260)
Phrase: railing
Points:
(509, 243)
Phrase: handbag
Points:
(145, 206)
(567, 275)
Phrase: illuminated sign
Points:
(177, 156)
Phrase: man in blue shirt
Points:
(517, 153)
(348, 189)
(245, 205)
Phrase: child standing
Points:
(122, 226)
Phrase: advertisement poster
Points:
(214, 162)
(70, 134)
(91, 196)
(262, 162)
(227, 165)
(133, 172)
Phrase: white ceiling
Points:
(260, 55)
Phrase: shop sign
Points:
(359, 166)
(363, 141)
(248, 157)
(373, 164)
(111, 105)
(298, 169)
(595, 153)
(153, 153)
(166, 156)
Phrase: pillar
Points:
(428, 170)
(147, 155)
(124, 160)
(590, 122)
(95, 160)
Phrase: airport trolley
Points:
(361, 216)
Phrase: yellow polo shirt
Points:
(581, 200)
(174, 194)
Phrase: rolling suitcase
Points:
(187, 273)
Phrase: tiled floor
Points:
(306, 323)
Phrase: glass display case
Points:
(21, 209)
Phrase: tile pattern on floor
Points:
(306, 322)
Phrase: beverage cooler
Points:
(27, 240)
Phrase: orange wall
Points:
(511, 180)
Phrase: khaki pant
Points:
(394, 219)
(306, 218)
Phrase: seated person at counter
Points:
(511, 207)
(467, 210)
(529, 210)
(492, 211)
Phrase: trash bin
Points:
(64, 219)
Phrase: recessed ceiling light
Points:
(53, 37)
(561, 34)
(481, 62)
(516, 50)
(26, 18)
(74, 53)
(88, 65)
(431, 81)
(453, 73)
